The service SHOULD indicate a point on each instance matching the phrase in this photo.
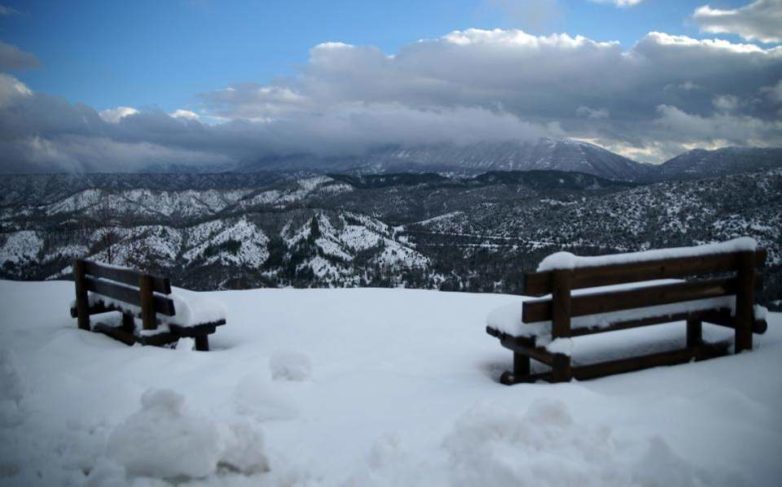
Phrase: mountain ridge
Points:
(544, 154)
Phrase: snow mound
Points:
(292, 366)
(547, 446)
(243, 449)
(490, 445)
(164, 441)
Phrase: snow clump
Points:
(164, 441)
(292, 366)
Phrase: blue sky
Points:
(120, 85)
(163, 53)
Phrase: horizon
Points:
(96, 87)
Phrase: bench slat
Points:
(129, 295)
(673, 357)
(606, 302)
(126, 276)
(541, 283)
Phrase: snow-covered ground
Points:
(365, 387)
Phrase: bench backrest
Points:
(562, 306)
(146, 291)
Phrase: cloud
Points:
(114, 115)
(593, 113)
(653, 100)
(185, 114)
(11, 89)
(11, 57)
(619, 3)
(760, 20)
(719, 128)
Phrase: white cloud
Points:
(11, 89)
(11, 57)
(114, 115)
(184, 114)
(760, 20)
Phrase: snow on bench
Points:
(588, 295)
(566, 260)
(166, 313)
(192, 308)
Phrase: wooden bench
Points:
(101, 288)
(717, 288)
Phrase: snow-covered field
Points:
(364, 387)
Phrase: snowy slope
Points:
(373, 387)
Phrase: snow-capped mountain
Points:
(700, 163)
(427, 230)
(544, 154)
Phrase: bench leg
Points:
(694, 333)
(521, 364)
(202, 343)
(128, 324)
(561, 370)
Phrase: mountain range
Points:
(424, 230)
(543, 154)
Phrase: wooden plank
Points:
(626, 325)
(116, 333)
(147, 303)
(518, 345)
(82, 299)
(561, 305)
(745, 299)
(194, 331)
(157, 340)
(126, 276)
(606, 302)
(724, 318)
(540, 283)
(128, 295)
(720, 317)
(561, 311)
(96, 309)
(673, 357)
(694, 332)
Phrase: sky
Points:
(110, 85)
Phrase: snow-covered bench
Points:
(166, 314)
(712, 283)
